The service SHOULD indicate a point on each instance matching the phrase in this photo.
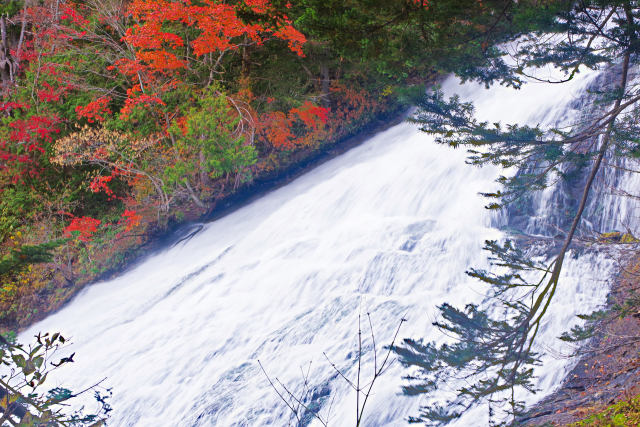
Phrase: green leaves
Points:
(625, 413)
(11, 7)
(579, 333)
(24, 255)
(537, 153)
(27, 370)
(209, 141)
(484, 352)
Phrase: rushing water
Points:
(388, 229)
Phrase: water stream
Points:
(387, 228)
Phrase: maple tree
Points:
(84, 226)
(120, 153)
(164, 52)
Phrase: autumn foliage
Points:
(278, 128)
(219, 28)
(119, 117)
(85, 227)
(95, 111)
(163, 54)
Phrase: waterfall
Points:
(388, 229)
(613, 204)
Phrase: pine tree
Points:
(493, 346)
(24, 255)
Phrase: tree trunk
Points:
(326, 84)
(5, 61)
(193, 196)
(205, 181)
(246, 64)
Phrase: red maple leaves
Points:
(95, 111)
(219, 26)
(100, 184)
(278, 128)
(83, 227)
(311, 115)
(158, 37)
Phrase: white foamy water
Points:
(388, 228)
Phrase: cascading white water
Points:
(388, 229)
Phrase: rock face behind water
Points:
(549, 213)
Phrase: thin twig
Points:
(278, 392)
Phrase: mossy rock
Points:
(624, 413)
(613, 236)
(617, 237)
(628, 238)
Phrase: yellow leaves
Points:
(8, 291)
(628, 238)
(617, 237)
(95, 143)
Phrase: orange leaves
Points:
(351, 105)
(258, 6)
(130, 219)
(311, 115)
(220, 27)
(161, 60)
(275, 127)
(171, 34)
(294, 38)
(151, 36)
(136, 99)
(284, 132)
(127, 67)
(84, 227)
(95, 111)
(100, 184)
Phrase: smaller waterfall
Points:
(611, 206)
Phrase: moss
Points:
(628, 238)
(610, 237)
(624, 413)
